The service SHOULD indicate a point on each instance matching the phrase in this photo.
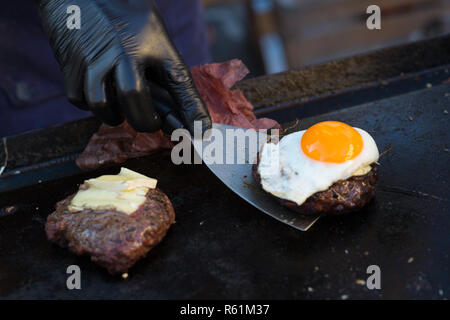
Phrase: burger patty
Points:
(113, 240)
(343, 196)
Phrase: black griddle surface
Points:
(221, 247)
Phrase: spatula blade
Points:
(239, 178)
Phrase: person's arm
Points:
(109, 63)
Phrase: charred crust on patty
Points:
(342, 197)
(114, 240)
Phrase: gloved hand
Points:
(110, 62)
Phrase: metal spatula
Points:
(238, 177)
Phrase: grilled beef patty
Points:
(342, 197)
(113, 240)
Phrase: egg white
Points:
(288, 173)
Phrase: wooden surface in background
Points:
(316, 31)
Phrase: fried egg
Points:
(310, 161)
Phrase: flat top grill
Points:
(221, 247)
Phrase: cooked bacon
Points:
(114, 145)
(214, 82)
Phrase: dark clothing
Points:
(31, 86)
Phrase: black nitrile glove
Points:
(109, 63)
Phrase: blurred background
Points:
(275, 35)
(270, 36)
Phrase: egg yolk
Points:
(331, 141)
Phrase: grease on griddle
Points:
(252, 186)
(388, 149)
(7, 211)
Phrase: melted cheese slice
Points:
(362, 171)
(124, 192)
